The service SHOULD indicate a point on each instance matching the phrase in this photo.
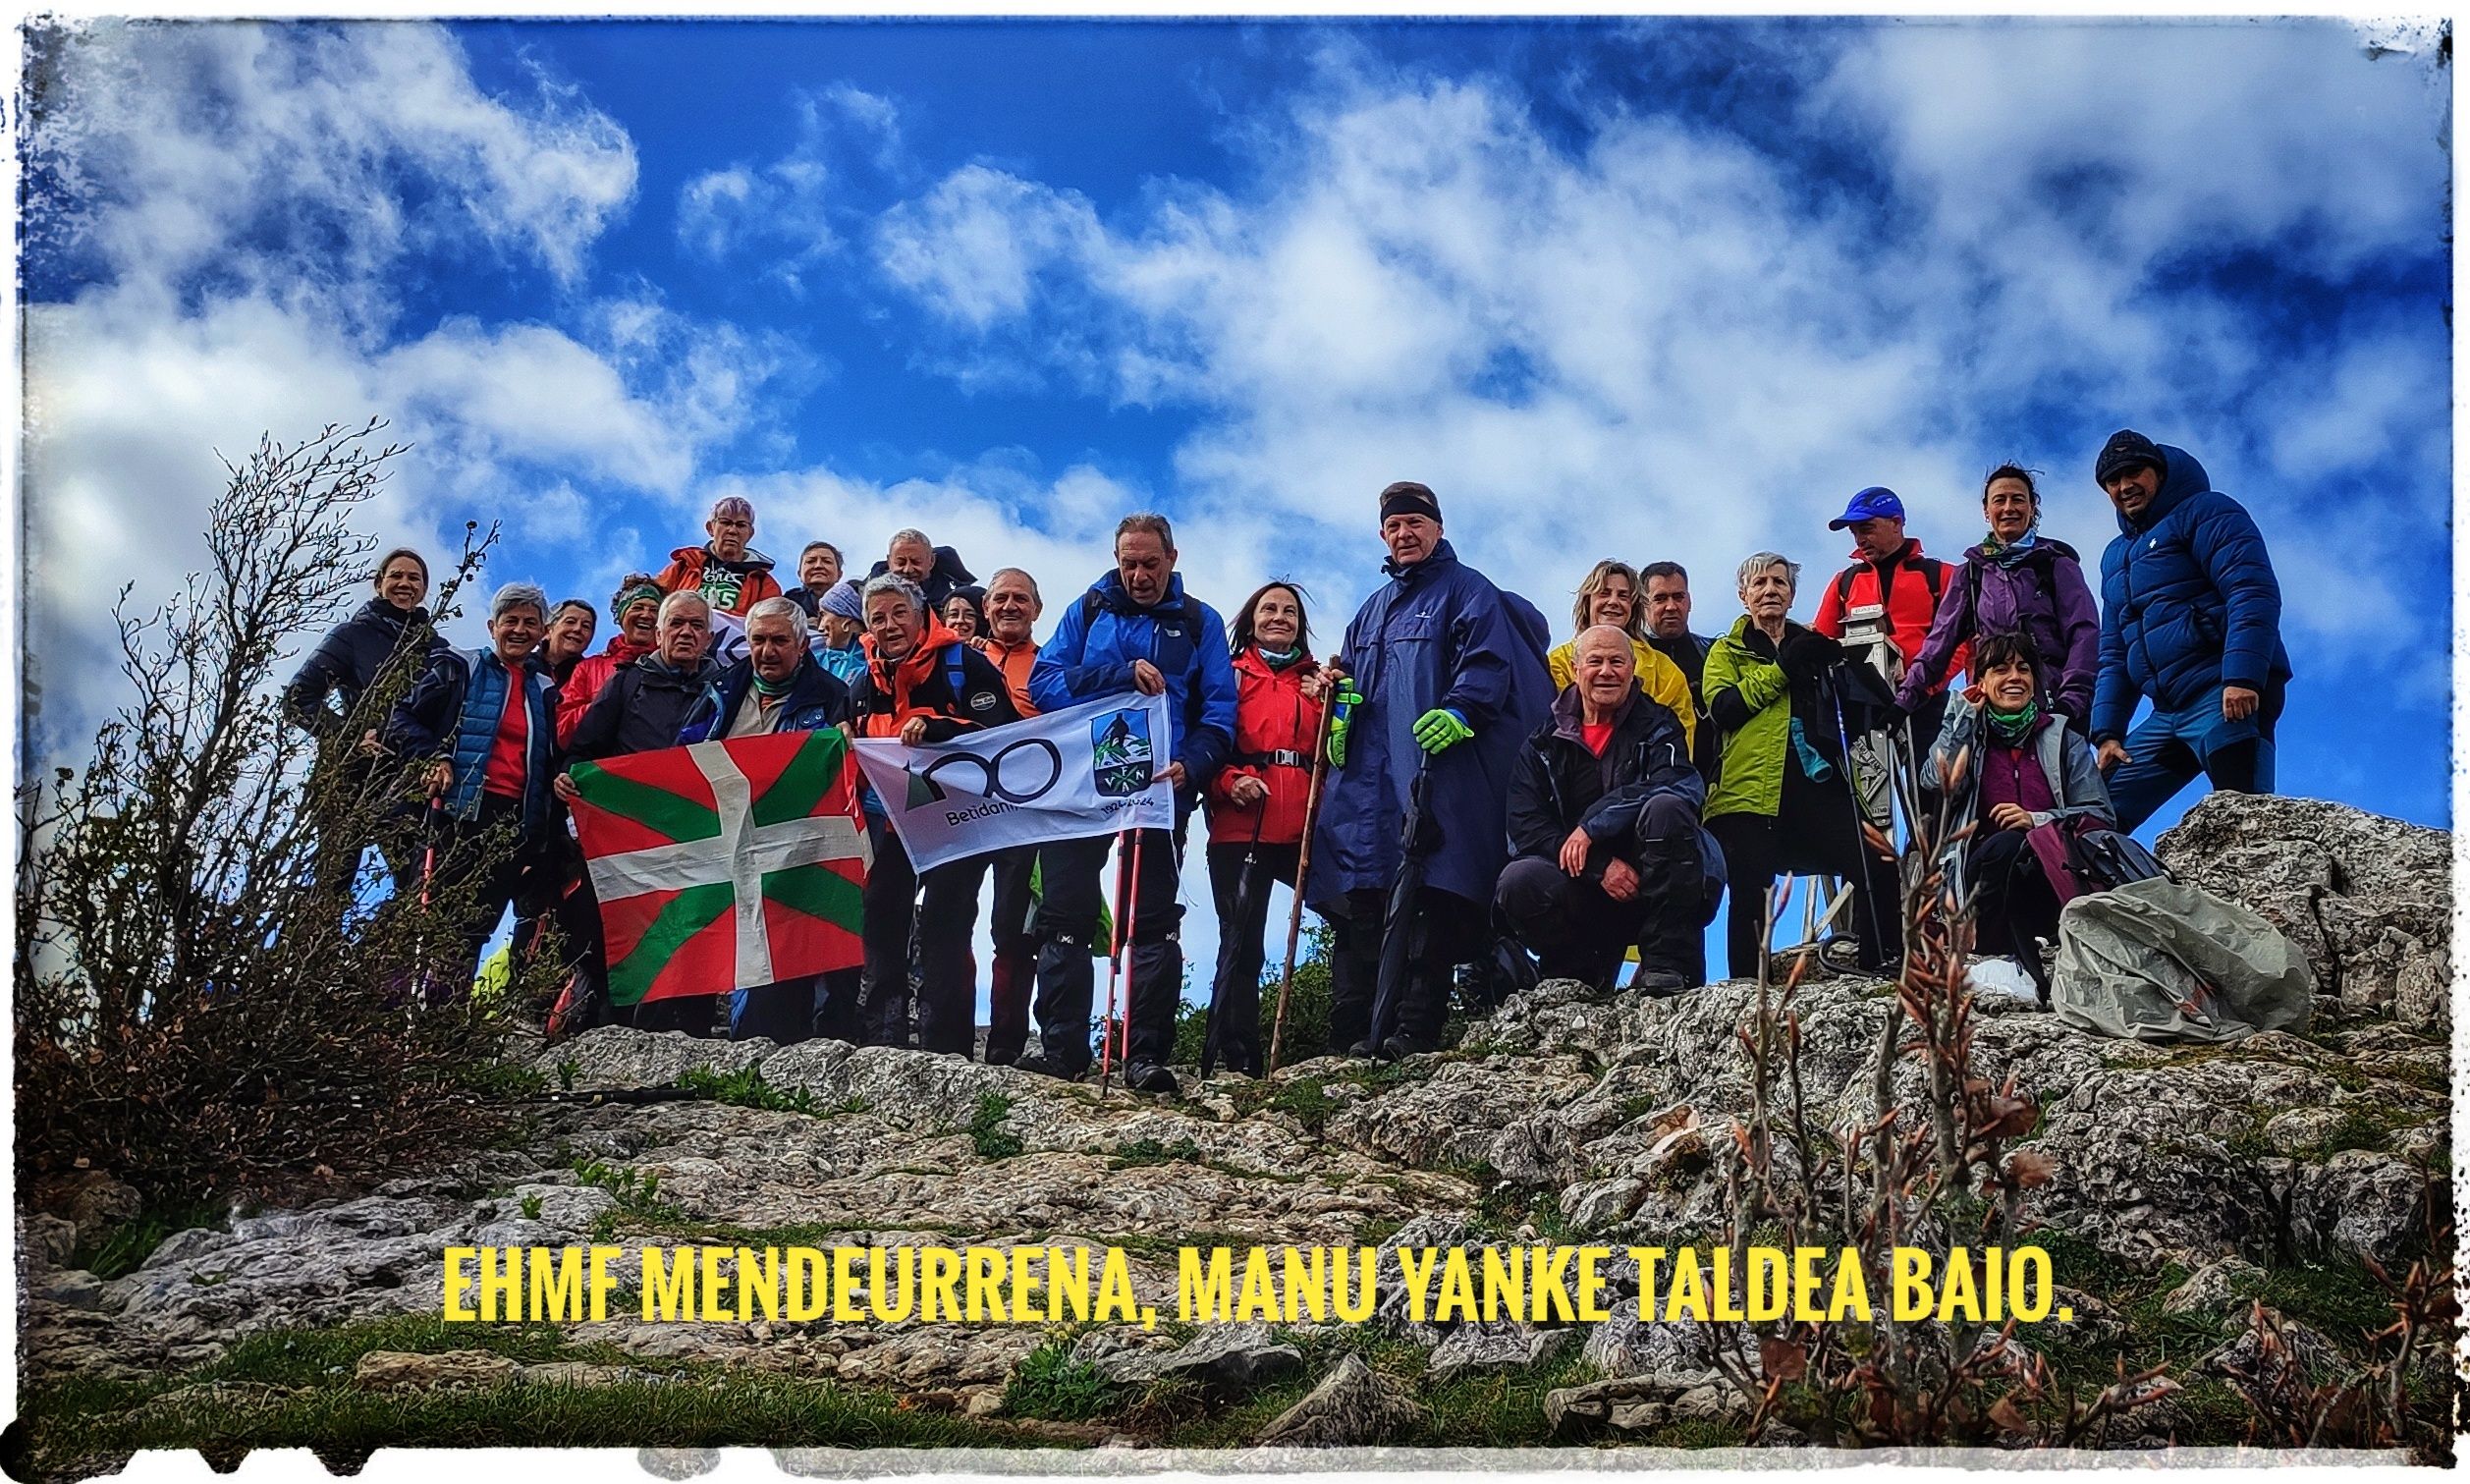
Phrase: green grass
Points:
(2339, 1298)
(986, 1128)
(1149, 1151)
(1051, 1385)
(72, 1421)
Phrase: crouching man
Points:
(1604, 823)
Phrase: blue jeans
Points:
(2169, 749)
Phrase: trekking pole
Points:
(1304, 865)
(1115, 949)
(1860, 834)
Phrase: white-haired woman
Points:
(1782, 802)
(480, 722)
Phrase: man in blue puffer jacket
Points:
(2191, 621)
(1135, 629)
(483, 719)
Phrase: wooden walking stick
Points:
(1303, 867)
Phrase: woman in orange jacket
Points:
(1256, 803)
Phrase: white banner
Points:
(1094, 769)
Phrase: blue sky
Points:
(1651, 289)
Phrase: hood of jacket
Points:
(2043, 551)
(896, 681)
(1248, 661)
(622, 650)
(386, 615)
(2182, 478)
(752, 561)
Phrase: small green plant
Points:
(986, 1128)
(124, 1248)
(1307, 1102)
(567, 1071)
(746, 1088)
(1050, 1383)
(532, 1207)
(1149, 1151)
(638, 1192)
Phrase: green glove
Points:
(1342, 704)
(1441, 728)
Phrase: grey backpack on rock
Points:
(2159, 960)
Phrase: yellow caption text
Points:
(1047, 1285)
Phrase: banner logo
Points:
(1120, 755)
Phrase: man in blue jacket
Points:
(1442, 665)
(1135, 629)
(2191, 621)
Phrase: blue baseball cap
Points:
(1875, 501)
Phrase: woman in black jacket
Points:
(374, 655)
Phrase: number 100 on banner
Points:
(1094, 769)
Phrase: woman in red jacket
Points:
(1256, 803)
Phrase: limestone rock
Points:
(2216, 1287)
(1223, 1357)
(2368, 899)
(1353, 1404)
(1477, 1349)
(607, 1057)
(389, 1370)
(1639, 1403)
(47, 1241)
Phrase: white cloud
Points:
(243, 203)
(336, 149)
(790, 203)
(1658, 341)
(974, 246)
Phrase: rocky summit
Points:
(2196, 1189)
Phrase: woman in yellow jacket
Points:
(1781, 801)
(1611, 595)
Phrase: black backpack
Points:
(2104, 858)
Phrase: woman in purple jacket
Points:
(2017, 581)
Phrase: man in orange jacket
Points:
(1890, 572)
(1013, 607)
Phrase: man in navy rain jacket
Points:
(1135, 630)
(1451, 667)
(2191, 620)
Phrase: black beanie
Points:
(1408, 498)
(2125, 450)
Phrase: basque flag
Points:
(726, 864)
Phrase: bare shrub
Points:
(196, 1010)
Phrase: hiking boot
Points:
(1400, 1047)
(1364, 1050)
(1150, 1077)
(1659, 984)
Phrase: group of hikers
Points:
(1451, 787)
